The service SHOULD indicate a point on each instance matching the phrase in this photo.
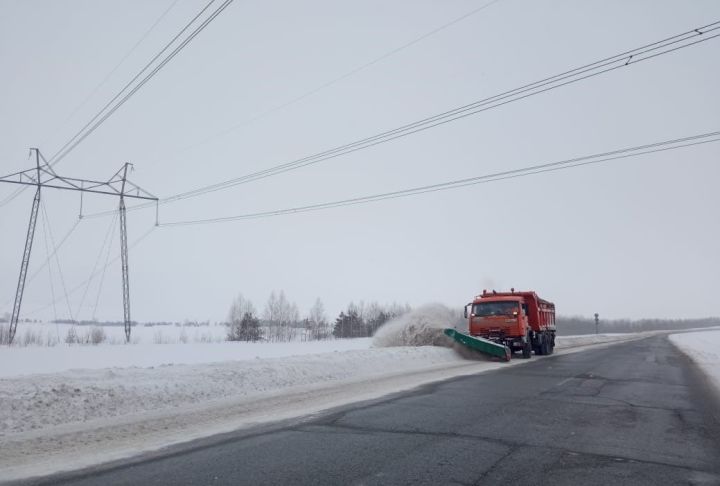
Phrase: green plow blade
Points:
(479, 344)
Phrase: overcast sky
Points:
(631, 238)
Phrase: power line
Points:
(122, 60)
(47, 260)
(102, 278)
(84, 282)
(50, 274)
(43, 176)
(57, 259)
(455, 184)
(92, 125)
(346, 75)
(107, 110)
(618, 61)
(106, 241)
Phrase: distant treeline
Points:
(584, 325)
(133, 323)
(6, 318)
(281, 320)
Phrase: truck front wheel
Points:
(527, 350)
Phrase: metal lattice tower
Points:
(44, 176)
(124, 258)
(26, 255)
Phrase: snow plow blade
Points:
(479, 344)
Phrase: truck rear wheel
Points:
(545, 347)
(541, 348)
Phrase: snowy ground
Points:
(704, 349)
(51, 334)
(115, 404)
(16, 361)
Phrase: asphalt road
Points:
(634, 413)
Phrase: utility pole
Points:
(124, 257)
(44, 176)
(26, 253)
(597, 321)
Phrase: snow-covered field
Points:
(51, 334)
(66, 407)
(16, 361)
(704, 349)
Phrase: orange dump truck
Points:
(522, 321)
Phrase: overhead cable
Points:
(93, 315)
(84, 282)
(121, 98)
(123, 59)
(129, 90)
(107, 241)
(57, 258)
(608, 64)
(455, 184)
(47, 260)
(346, 75)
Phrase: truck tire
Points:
(540, 350)
(545, 347)
(551, 344)
(527, 350)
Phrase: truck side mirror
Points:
(465, 312)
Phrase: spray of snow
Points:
(420, 327)
(424, 327)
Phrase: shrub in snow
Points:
(245, 329)
(31, 337)
(420, 327)
(97, 335)
(158, 337)
(183, 337)
(72, 336)
(4, 334)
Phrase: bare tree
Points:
(243, 325)
(239, 307)
(317, 326)
(281, 317)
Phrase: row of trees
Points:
(281, 320)
(7, 316)
(362, 320)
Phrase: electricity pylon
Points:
(43, 175)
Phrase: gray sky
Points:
(630, 238)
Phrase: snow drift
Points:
(702, 348)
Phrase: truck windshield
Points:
(495, 309)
